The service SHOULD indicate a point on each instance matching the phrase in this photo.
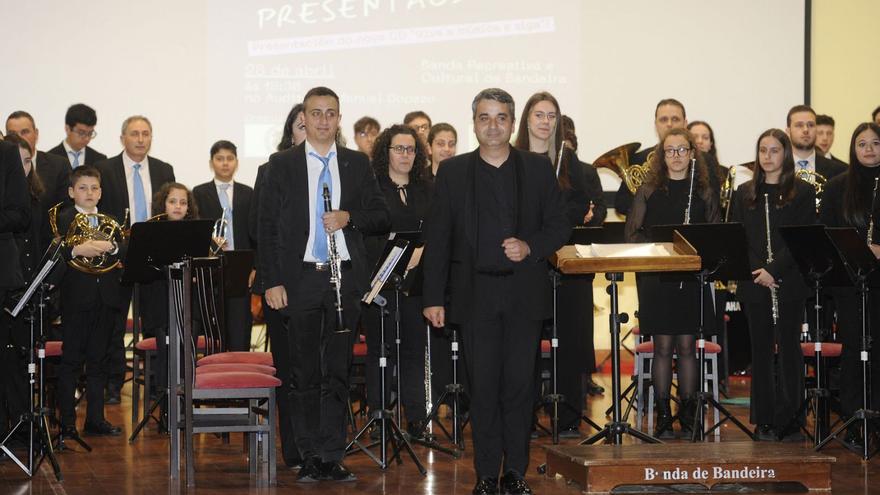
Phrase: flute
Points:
(687, 212)
(335, 263)
(774, 298)
(871, 212)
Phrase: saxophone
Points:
(774, 298)
(335, 263)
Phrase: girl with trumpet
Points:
(677, 190)
(774, 301)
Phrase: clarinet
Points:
(774, 298)
(335, 263)
(871, 212)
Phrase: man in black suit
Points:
(128, 181)
(223, 196)
(801, 128)
(825, 138)
(79, 125)
(668, 114)
(52, 170)
(496, 216)
(294, 248)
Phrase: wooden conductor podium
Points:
(600, 469)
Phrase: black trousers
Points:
(14, 388)
(777, 377)
(280, 347)
(500, 344)
(413, 337)
(849, 333)
(576, 354)
(320, 360)
(86, 336)
(239, 323)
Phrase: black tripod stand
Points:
(817, 260)
(396, 253)
(453, 393)
(36, 420)
(860, 263)
(554, 398)
(614, 431)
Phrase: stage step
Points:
(602, 468)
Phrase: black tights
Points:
(661, 371)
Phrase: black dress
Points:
(776, 390)
(404, 217)
(831, 213)
(669, 302)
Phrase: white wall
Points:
(187, 66)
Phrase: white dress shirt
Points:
(68, 150)
(314, 169)
(229, 195)
(128, 163)
(811, 162)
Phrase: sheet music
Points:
(384, 272)
(650, 249)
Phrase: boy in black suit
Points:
(90, 304)
(79, 125)
(225, 196)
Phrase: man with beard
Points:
(801, 128)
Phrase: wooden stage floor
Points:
(115, 467)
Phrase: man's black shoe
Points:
(112, 398)
(102, 429)
(310, 472)
(414, 430)
(69, 431)
(765, 433)
(294, 465)
(512, 483)
(335, 471)
(486, 486)
(572, 432)
(594, 388)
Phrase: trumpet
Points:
(335, 263)
(816, 179)
(219, 232)
(727, 191)
(774, 297)
(90, 227)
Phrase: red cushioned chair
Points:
(216, 400)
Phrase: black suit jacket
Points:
(827, 167)
(451, 234)
(92, 156)
(83, 291)
(114, 189)
(242, 197)
(54, 173)
(284, 222)
(800, 211)
(15, 214)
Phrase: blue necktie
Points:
(319, 249)
(803, 164)
(140, 199)
(227, 209)
(75, 155)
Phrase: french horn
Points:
(617, 160)
(89, 227)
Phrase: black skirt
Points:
(669, 304)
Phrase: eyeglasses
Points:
(401, 149)
(680, 151)
(85, 134)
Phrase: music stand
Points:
(821, 266)
(860, 264)
(721, 247)
(398, 252)
(36, 419)
(148, 257)
(583, 236)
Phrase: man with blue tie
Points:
(79, 126)
(223, 197)
(293, 232)
(801, 128)
(128, 181)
